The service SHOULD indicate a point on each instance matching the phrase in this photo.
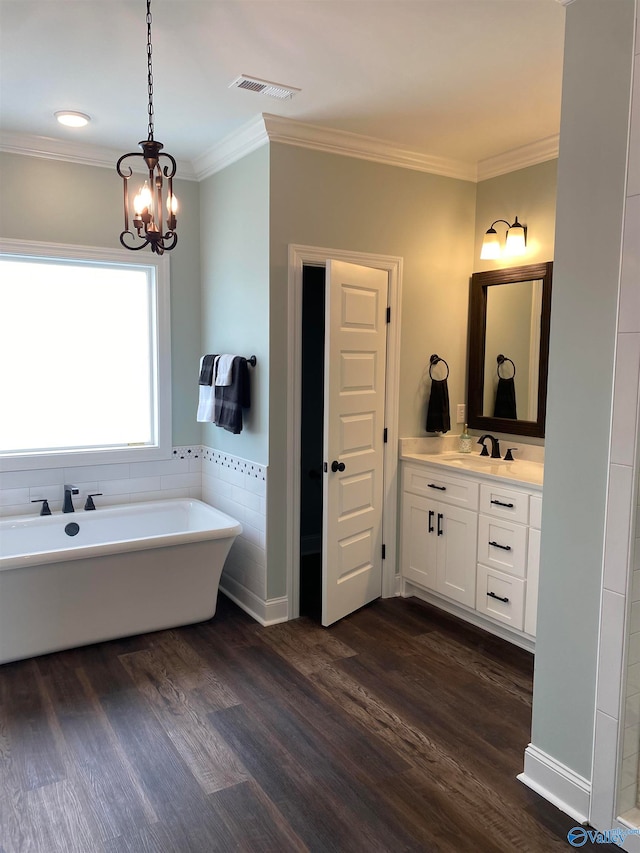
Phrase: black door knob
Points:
(337, 466)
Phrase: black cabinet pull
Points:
(440, 488)
(498, 597)
(440, 530)
(499, 503)
(498, 545)
(431, 514)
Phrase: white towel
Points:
(224, 370)
(206, 400)
(205, 404)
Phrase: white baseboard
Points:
(557, 783)
(268, 612)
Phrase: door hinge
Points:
(385, 435)
(326, 467)
(388, 313)
(384, 552)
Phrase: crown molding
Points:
(235, 146)
(346, 144)
(519, 158)
(68, 151)
(271, 128)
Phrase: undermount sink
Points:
(472, 460)
(515, 469)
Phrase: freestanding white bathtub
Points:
(126, 570)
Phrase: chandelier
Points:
(148, 204)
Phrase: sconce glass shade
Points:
(490, 246)
(516, 240)
(515, 243)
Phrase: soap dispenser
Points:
(465, 441)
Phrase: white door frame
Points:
(300, 256)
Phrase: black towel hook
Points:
(432, 363)
(501, 360)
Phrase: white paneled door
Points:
(354, 406)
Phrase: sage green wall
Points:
(591, 190)
(234, 228)
(52, 201)
(529, 194)
(326, 200)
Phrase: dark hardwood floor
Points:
(398, 729)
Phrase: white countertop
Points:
(520, 472)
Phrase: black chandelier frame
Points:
(149, 228)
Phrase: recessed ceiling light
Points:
(70, 118)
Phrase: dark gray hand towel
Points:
(438, 418)
(206, 371)
(505, 406)
(231, 399)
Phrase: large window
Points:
(84, 356)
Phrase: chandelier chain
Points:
(149, 72)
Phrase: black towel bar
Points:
(252, 360)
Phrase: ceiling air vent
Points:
(264, 87)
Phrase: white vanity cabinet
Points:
(502, 554)
(533, 565)
(473, 541)
(439, 529)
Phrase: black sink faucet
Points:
(495, 446)
(67, 506)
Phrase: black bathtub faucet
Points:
(67, 506)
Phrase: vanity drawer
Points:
(431, 483)
(502, 545)
(535, 511)
(504, 503)
(500, 596)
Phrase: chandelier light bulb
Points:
(143, 199)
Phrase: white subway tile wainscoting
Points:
(177, 477)
(239, 488)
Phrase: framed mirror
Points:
(509, 316)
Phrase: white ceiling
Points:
(461, 79)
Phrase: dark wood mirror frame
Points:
(480, 281)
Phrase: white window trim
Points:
(163, 448)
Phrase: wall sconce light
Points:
(148, 208)
(515, 243)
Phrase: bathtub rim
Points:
(231, 530)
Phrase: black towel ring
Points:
(501, 360)
(432, 363)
